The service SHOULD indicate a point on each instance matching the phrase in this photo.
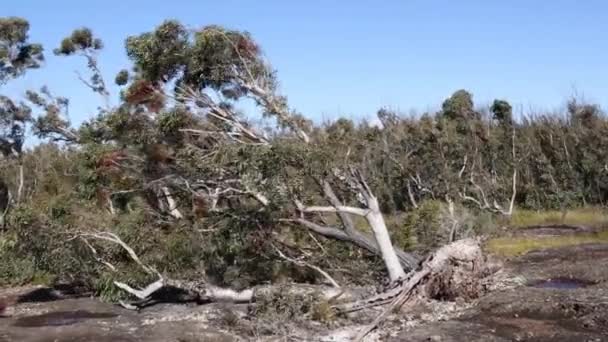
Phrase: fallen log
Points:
(207, 293)
(201, 291)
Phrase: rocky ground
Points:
(556, 294)
(563, 296)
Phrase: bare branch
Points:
(357, 238)
(203, 101)
(142, 294)
(171, 202)
(306, 264)
(111, 237)
(513, 193)
(411, 195)
(96, 255)
(483, 204)
(482, 201)
(418, 182)
(342, 209)
(464, 165)
(409, 261)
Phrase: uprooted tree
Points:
(210, 70)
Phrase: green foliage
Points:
(39, 252)
(122, 77)
(421, 228)
(459, 105)
(171, 122)
(16, 53)
(282, 305)
(219, 55)
(322, 311)
(13, 121)
(236, 253)
(502, 110)
(228, 317)
(80, 40)
(403, 234)
(160, 54)
(106, 290)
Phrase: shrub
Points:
(420, 229)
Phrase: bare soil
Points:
(553, 230)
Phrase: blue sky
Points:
(349, 58)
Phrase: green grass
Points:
(514, 246)
(594, 217)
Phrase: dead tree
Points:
(481, 199)
(371, 212)
(439, 274)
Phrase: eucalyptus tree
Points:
(17, 56)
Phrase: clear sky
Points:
(352, 57)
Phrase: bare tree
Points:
(481, 199)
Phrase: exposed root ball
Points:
(458, 270)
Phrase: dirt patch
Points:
(88, 319)
(553, 230)
(561, 283)
(568, 254)
(58, 318)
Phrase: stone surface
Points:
(527, 313)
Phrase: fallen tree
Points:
(457, 270)
(248, 75)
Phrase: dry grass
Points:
(514, 246)
(591, 216)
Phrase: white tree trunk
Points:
(172, 205)
(376, 222)
(374, 218)
(21, 181)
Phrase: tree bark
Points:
(383, 239)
